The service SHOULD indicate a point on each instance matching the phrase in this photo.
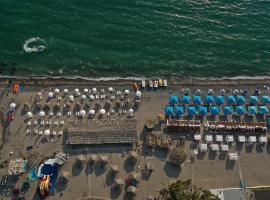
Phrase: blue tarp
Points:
(191, 110)
(231, 99)
(265, 99)
(263, 110)
(252, 110)
(169, 111)
(179, 111)
(197, 99)
(173, 100)
(253, 100)
(214, 110)
(227, 110)
(185, 99)
(208, 99)
(219, 100)
(240, 100)
(202, 110)
(240, 110)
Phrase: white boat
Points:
(28, 49)
(165, 83)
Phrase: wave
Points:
(33, 49)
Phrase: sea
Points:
(134, 38)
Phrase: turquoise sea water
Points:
(199, 38)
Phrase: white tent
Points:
(252, 139)
(208, 138)
(229, 138)
(82, 113)
(224, 147)
(126, 91)
(12, 105)
(71, 98)
(29, 115)
(241, 138)
(262, 139)
(219, 138)
(50, 95)
(83, 97)
(92, 112)
(47, 132)
(56, 90)
(85, 90)
(214, 147)
(65, 91)
(110, 89)
(102, 111)
(41, 113)
(203, 147)
(138, 94)
(94, 90)
(197, 137)
(233, 156)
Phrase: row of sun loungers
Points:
(230, 138)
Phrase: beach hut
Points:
(253, 100)
(214, 147)
(202, 110)
(252, 139)
(173, 100)
(219, 100)
(240, 110)
(214, 110)
(191, 110)
(179, 111)
(185, 99)
(197, 100)
(241, 138)
(177, 156)
(208, 138)
(219, 138)
(169, 111)
(231, 100)
(203, 147)
(197, 137)
(252, 110)
(224, 147)
(208, 99)
(263, 110)
(227, 110)
(240, 100)
(29, 115)
(263, 139)
(233, 156)
(265, 99)
(229, 138)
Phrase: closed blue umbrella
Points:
(265, 99)
(169, 111)
(219, 100)
(179, 111)
(191, 110)
(214, 110)
(263, 110)
(253, 99)
(227, 110)
(240, 110)
(240, 100)
(173, 100)
(252, 110)
(202, 110)
(208, 99)
(231, 99)
(185, 99)
(197, 100)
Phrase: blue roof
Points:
(227, 110)
(231, 99)
(253, 99)
(169, 111)
(173, 100)
(214, 110)
(197, 99)
(179, 111)
(219, 100)
(240, 100)
(208, 99)
(240, 110)
(265, 99)
(263, 110)
(191, 110)
(202, 110)
(185, 99)
(252, 110)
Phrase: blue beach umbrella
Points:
(173, 100)
(169, 111)
(240, 100)
(252, 110)
(185, 99)
(219, 100)
(179, 111)
(265, 99)
(191, 110)
(214, 110)
(202, 110)
(240, 110)
(231, 99)
(208, 99)
(227, 110)
(197, 100)
(253, 99)
(263, 110)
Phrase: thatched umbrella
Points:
(114, 169)
(178, 156)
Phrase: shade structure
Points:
(219, 100)
(197, 99)
(229, 138)
(253, 100)
(252, 139)
(227, 110)
(203, 147)
(173, 100)
(169, 111)
(263, 110)
(252, 110)
(214, 110)
(224, 147)
(179, 111)
(41, 113)
(262, 139)
(265, 99)
(231, 99)
(241, 138)
(240, 100)
(208, 99)
(202, 110)
(191, 110)
(209, 138)
(233, 156)
(197, 137)
(185, 99)
(29, 115)
(240, 110)
(219, 138)
(214, 147)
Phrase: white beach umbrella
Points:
(42, 113)
(102, 90)
(56, 90)
(65, 91)
(71, 98)
(198, 92)
(102, 111)
(138, 94)
(210, 91)
(94, 90)
(85, 90)
(47, 132)
(50, 95)
(112, 97)
(92, 112)
(126, 91)
(222, 91)
(82, 113)
(12, 105)
(29, 115)
(91, 97)
(110, 89)
(130, 112)
(76, 90)
(39, 93)
(235, 91)
(83, 97)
